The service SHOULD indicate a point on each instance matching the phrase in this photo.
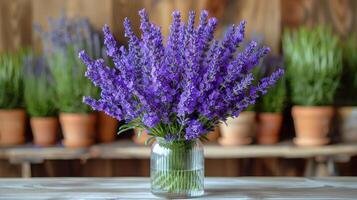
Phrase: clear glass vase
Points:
(177, 168)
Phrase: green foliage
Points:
(313, 61)
(347, 92)
(11, 80)
(39, 90)
(274, 101)
(70, 83)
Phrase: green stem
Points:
(176, 174)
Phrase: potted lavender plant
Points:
(12, 114)
(346, 94)
(64, 38)
(313, 61)
(271, 106)
(178, 92)
(39, 95)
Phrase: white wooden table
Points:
(215, 188)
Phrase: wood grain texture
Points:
(15, 24)
(263, 19)
(126, 188)
(97, 12)
(122, 9)
(339, 14)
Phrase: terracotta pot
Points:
(269, 126)
(107, 128)
(12, 127)
(44, 130)
(239, 130)
(78, 129)
(347, 118)
(213, 135)
(143, 137)
(312, 124)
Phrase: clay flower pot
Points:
(312, 124)
(12, 127)
(78, 129)
(143, 137)
(239, 130)
(44, 130)
(107, 128)
(347, 118)
(213, 135)
(269, 126)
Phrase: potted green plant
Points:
(347, 96)
(271, 106)
(313, 60)
(12, 114)
(61, 44)
(40, 100)
(77, 120)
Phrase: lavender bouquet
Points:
(178, 91)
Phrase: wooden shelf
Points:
(316, 156)
(129, 150)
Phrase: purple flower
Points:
(181, 89)
(194, 129)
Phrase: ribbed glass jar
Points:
(177, 168)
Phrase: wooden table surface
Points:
(215, 188)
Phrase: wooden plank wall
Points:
(265, 17)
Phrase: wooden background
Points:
(265, 17)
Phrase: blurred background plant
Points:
(347, 92)
(62, 43)
(313, 61)
(39, 88)
(12, 114)
(314, 66)
(11, 80)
